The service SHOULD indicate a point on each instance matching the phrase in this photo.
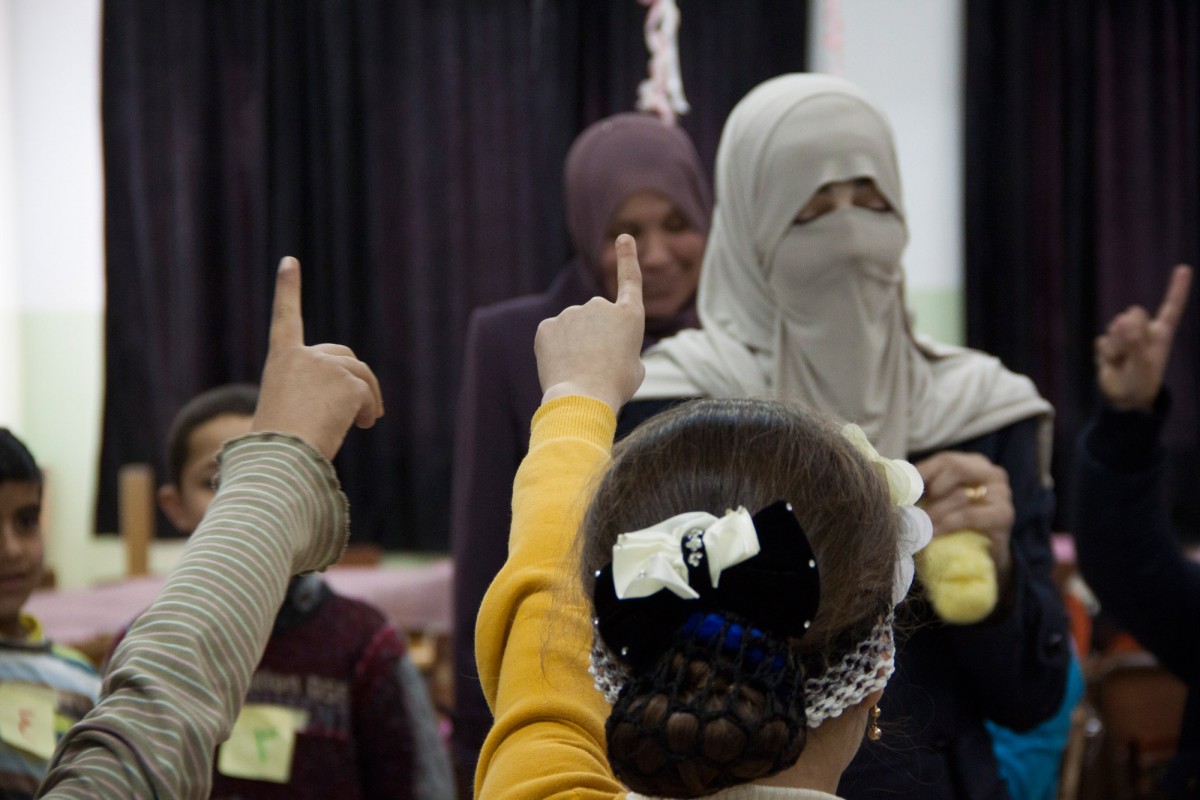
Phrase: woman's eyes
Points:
(865, 195)
(820, 204)
(670, 225)
(676, 224)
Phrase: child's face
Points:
(21, 549)
(185, 504)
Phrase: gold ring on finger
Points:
(975, 494)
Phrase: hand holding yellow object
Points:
(968, 562)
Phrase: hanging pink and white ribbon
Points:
(662, 92)
(833, 37)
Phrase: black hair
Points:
(231, 398)
(16, 462)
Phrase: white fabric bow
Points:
(652, 559)
(905, 487)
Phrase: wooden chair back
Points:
(135, 512)
(1140, 705)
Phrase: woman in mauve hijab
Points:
(801, 297)
(629, 173)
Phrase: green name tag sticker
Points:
(27, 717)
(262, 743)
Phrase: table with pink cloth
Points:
(415, 597)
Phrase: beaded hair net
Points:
(724, 706)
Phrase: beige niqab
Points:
(815, 311)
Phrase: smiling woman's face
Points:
(670, 251)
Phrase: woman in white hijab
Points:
(801, 297)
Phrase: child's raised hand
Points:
(312, 392)
(595, 349)
(1132, 354)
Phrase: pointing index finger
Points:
(629, 272)
(1176, 298)
(287, 325)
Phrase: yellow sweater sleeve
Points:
(534, 634)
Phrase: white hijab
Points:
(815, 312)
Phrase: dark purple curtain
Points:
(408, 153)
(1082, 192)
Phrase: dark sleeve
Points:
(635, 412)
(400, 754)
(1014, 665)
(487, 449)
(1124, 541)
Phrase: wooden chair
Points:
(361, 554)
(135, 511)
(1140, 705)
(1082, 751)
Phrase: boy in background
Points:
(335, 708)
(44, 687)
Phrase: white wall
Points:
(10, 285)
(59, 172)
(52, 267)
(907, 55)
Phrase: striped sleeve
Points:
(176, 683)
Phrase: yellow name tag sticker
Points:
(27, 717)
(261, 745)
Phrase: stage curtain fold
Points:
(408, 153)
(1082, 193)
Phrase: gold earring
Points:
(873, 732)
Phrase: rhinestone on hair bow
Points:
(653, 558)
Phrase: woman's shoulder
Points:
(1021, 430)
(568, 289)
(502, 315)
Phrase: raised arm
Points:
(534, 632)
(594, 350)
(1123, 535)
(177, 681)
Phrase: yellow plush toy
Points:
(957, 569)
(959, 576)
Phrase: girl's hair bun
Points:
(723, 706)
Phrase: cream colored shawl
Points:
(815, 312)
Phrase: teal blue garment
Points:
(1030, 761)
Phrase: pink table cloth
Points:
(415, 598)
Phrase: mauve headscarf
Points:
(614, 158)
(815, 312)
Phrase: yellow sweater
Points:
(533, 635)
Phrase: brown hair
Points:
(714, 455)
(230, 398)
